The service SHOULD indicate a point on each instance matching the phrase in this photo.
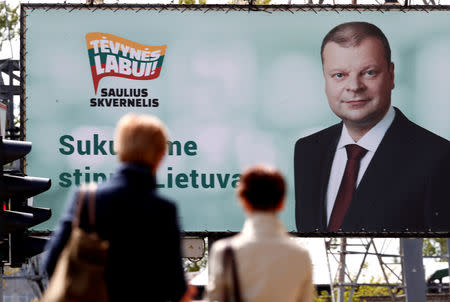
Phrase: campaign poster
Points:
(234, 87)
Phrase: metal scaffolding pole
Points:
(448, 259)
(380, 261)
(413, 270)
(1, 282)
(341, 280)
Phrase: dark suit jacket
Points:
(406, 187)
(144, 262)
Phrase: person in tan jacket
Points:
(271, 266)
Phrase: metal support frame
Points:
(412, 276)
(7, 92)
(14, 128)
(343, 272)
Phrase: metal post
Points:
(414, 274)
(327, 250)
(1, 282)
(341, 288)
(448, 257)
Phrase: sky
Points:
(316, 246)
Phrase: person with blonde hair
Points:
(270, 265)
(131, 215)
(141, 138)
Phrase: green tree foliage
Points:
(9, 19)
(363, 290)
(255, 2)
(191, 2)
(262, 2)
(195, 266)
(435, 247)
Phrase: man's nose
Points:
(354, 83)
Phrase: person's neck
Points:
(358, 130)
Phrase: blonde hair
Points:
(140, 138)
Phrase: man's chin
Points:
(360, 119)
(355, 114)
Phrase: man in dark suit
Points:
(144, 261)
(401, 178)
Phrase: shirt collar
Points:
(140, 172)
(263, 224)
(372, 139)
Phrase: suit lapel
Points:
(364, 200)
(327, 149)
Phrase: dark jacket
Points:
(406, 187)
(144, 259)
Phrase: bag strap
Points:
(232, 288)
(84, 189)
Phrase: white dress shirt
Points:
(370, 141)
(271, 266)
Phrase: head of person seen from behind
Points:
(141, 138)
(359, 75)
(261, 189)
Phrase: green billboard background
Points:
(236, 88)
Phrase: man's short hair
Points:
(140, 138)
(351, 34)
(262, 186)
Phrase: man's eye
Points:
(338, 75)
(370, 72)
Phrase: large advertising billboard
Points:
(236, 88)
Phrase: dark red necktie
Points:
(347, 187)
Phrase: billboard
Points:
(235, 88)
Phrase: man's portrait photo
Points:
(376, 170)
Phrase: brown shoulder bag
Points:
(79, 272)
